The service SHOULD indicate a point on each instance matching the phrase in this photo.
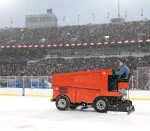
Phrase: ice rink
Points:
(39, 114)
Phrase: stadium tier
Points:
(43, 51)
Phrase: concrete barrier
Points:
(133, 95)
(39, 92)
(11, 91)
(27, 92)
(139, 95)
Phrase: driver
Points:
(122, 73)
(124, 70)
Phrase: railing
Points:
(140, 80)
(25, 81)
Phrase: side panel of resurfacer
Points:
(84, 86)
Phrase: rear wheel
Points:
(62, 103)
(101, 104)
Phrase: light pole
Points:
(126, 15)
(64, 20)
(78, 19)
(11, 22)
(142, 13)
(118, 8)
(93, 19)
(108, 17)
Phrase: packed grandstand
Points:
(43, 51)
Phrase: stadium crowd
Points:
(76, 34)
(16, 55)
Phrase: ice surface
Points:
(39, 114)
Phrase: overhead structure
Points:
(118, 20)
(41, 20)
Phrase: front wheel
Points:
(101, 104)
(62, 103)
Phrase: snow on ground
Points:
(39, 114)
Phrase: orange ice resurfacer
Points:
(71, 90)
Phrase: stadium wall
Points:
(133, 95)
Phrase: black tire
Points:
(101, 104)
(73, 106)
(62, 103)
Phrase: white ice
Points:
(39, 114)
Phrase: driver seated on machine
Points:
(122, 73)
(124, 70)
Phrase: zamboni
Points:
(71, 90)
